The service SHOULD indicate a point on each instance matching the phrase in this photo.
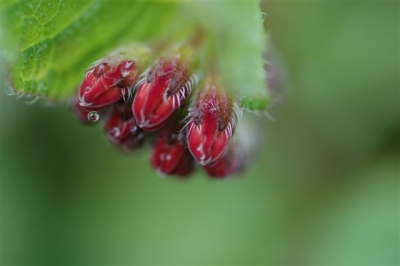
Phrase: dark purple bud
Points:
(121, 128)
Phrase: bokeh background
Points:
(323, 190)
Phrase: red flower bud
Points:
(211, 124)
(121, 128)
(229, 164)
(170, 155)
(164, 90)
(240, 152)
(185, 166)
(107, 82)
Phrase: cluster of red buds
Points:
(189, 121)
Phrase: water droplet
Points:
(93, 116)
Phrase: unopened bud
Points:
(112, 78)
(170, 155)
(121, 128)
(211, 123)
(165, 88)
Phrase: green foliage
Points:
(323, 188)
(48, 45)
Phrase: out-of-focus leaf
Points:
(237, 40)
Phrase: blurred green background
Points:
(323, 190)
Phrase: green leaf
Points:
(237, 40)
(48, 45)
